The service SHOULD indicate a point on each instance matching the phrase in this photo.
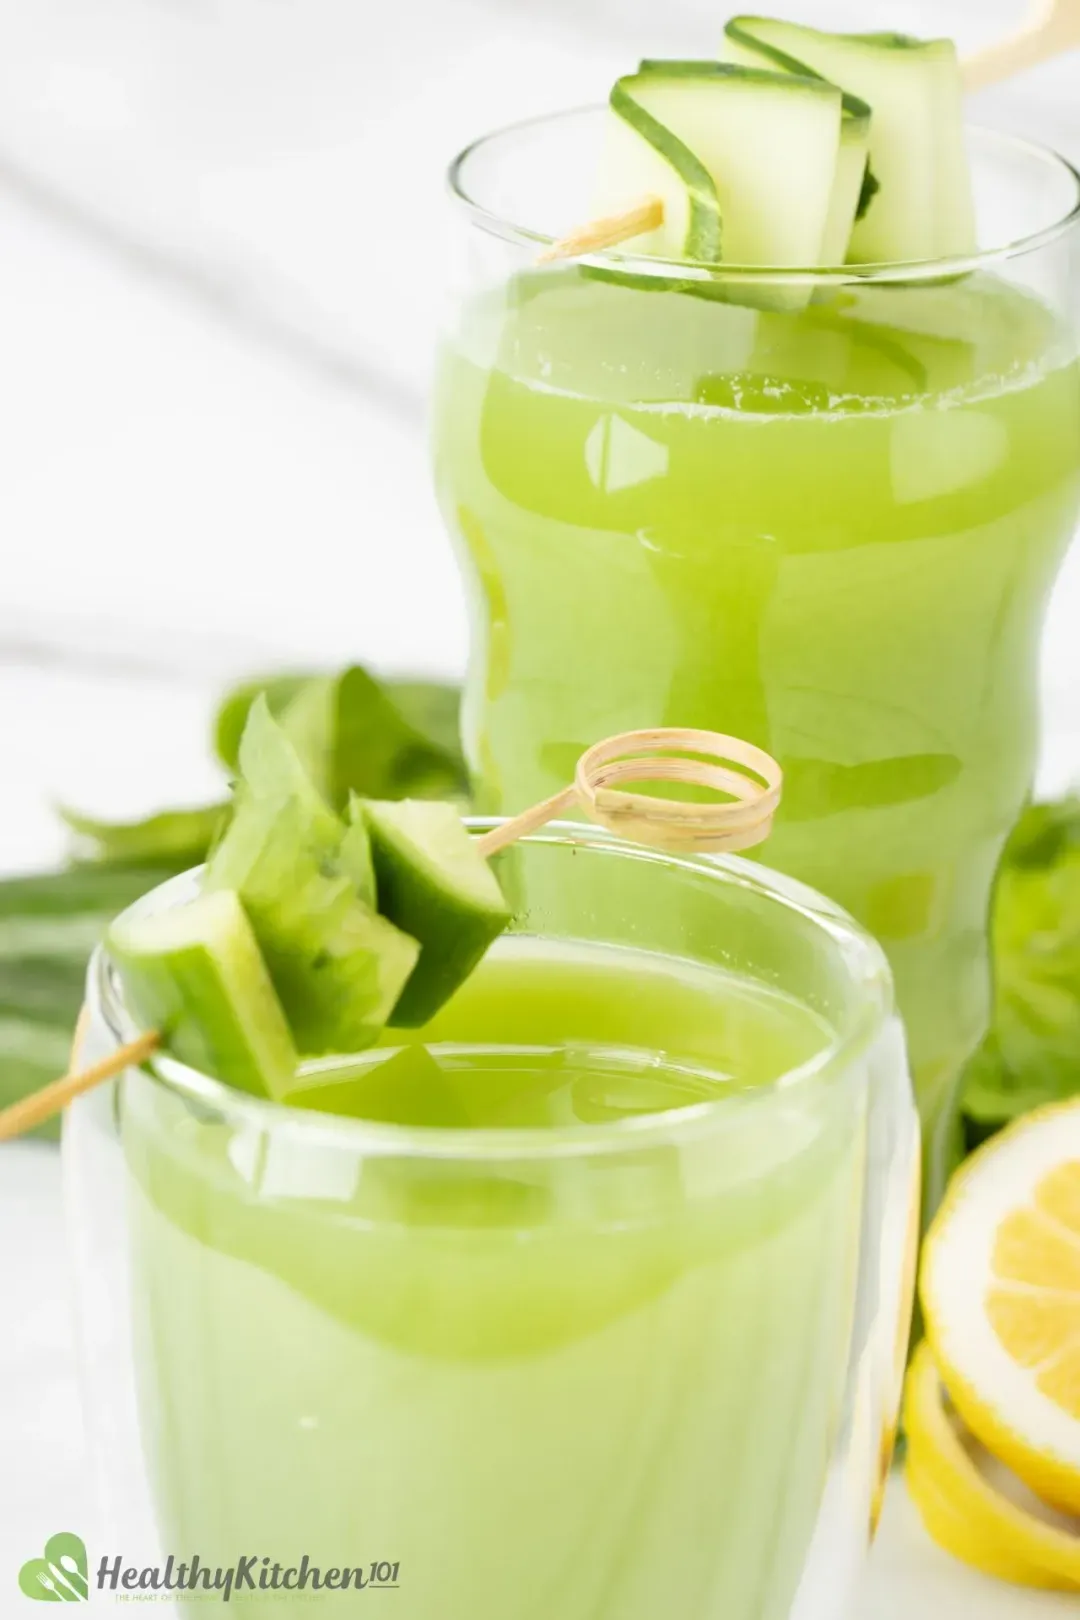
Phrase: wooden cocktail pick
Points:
(750, 778)
(647, 214)
(1052, 27)
(51, 1099)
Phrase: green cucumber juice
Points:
(831, 531)
(604, 1382)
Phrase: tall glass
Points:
(602, 1370)
(822, 511)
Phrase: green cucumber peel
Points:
(921, 206)
(888, 40)
(741, 30)
(857, 113)
(703, 135)
(307, 883)
(436, 886)
(196, 974)
(705, 226)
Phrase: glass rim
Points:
(863, 958)
(914, 270)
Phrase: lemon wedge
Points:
(1000, 1288)
(968, 1502)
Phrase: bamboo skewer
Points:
(751, 779)
(647, 214)
(654, 756)
(51, 1099)
(1052, 28)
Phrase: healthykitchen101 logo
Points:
(62, 1575)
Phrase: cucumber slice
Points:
(272, 773)
(307, 883)
(853, 189)
(354, 860)
(744, 160)
(854, 184)
(196, 974)
(641, 157)
(270, 768)
(434, 883)
(923, 208)
(281, 818)
(337, 966)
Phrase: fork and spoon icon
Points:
(60, 1576)
(69, 1587)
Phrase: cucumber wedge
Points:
(854, 184)
(744, 160)
(434, 884)
(196, 974)
(337, 966)
(307, 884)
(353, 858)
(923, 208)
(272, 773)
(271, 768)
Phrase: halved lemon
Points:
(968, 1504)
(1000, 1288)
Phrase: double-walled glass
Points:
(822, 511)
(604, 1371)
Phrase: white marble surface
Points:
(213, 360)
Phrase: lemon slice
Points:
(968, 1504)
(1000, 1290)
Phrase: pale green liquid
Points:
(832, 533)
(598, 1386)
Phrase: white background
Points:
(219, 287)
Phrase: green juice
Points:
(831, 531)
(596, 1369)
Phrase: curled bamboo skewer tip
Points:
(749, 776)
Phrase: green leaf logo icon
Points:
(61, 1575)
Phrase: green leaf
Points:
(42, 989)
(175, 838)
(434, 709)
(231, 718)
(1032, 1053)
(388, 739)
(308, 722)
(1045, 834)
(103, 888)
(379, 753)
